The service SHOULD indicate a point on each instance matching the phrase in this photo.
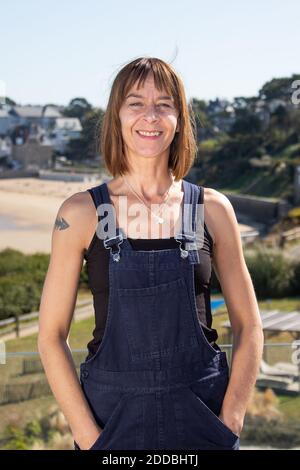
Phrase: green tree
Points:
(77, 108)
(86, 147)
(278, 88)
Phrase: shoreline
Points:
(28, 208)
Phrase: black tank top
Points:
(97, 261)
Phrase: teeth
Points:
(148, 133)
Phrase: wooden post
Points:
(17, 325)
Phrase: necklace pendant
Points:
(159, 220)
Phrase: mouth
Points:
(152, 135)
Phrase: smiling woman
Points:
(154, 377)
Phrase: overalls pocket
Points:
(115, 412)
(213, 418)
(198, 405)
(109, 425)
(105, 429)
(158, 320)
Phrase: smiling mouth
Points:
(149, 134)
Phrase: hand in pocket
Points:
(89, 440)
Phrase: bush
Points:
(19, 294)
(15, 439)
(11, 261)
(21, 281)
(272, 274)
(41, 432)
(33, 429)
(260, 431)
(294, 213)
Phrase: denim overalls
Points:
(155, 381)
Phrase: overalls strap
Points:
(112, 236)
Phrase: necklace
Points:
(159, 219)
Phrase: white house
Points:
(65, 129)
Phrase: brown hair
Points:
(183, 148)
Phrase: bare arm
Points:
(56, 311)
(237, 288)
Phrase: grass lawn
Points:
(80, 334)
(24, 411)
(285, 305)
(290, 407)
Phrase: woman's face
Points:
(149, 110)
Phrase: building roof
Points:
(28, 111)
(52, 111)
(37, 111)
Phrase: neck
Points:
(149, 187)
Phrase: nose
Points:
(151, 113)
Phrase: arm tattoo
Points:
(61, 224)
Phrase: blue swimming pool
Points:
(215, 303)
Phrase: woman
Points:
(154, 377)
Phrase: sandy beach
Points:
(28, 208)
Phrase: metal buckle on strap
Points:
(116, 256)
(186, 236)
(109, 242)
(183, 252)
(189, 240)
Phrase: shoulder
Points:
(78, 214)
(218, 213)
(215, 199)
(78, 205)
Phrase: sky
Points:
(54, 51)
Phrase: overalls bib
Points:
(155, 381)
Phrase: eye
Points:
(141, 104)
